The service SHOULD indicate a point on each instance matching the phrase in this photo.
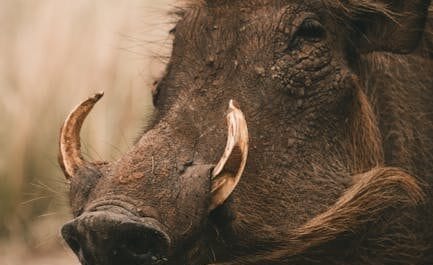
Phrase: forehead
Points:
(237, 8)
(245, 16)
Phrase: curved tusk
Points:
(70, 158)
(228, 171)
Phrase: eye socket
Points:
(311, 29)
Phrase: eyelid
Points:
(313, 23)
(289, 25)
(310, 17)
(310, 27)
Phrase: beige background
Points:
(53, 54)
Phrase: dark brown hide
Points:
(337, 96)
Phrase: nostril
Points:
(140, 243)
(110, 238)
(145, 243)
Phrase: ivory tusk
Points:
(70, 158)
(229, 169)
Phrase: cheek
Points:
(306, 70)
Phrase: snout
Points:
(107, 238)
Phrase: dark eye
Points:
(311, 30)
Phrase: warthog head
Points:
(192, 192)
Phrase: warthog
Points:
(327, 158)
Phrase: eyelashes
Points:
(310, 30)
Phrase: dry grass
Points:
(54, 53)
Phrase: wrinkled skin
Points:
(329, 113)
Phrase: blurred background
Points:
(54, 54)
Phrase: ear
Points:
(228, 171)
(388, 25)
